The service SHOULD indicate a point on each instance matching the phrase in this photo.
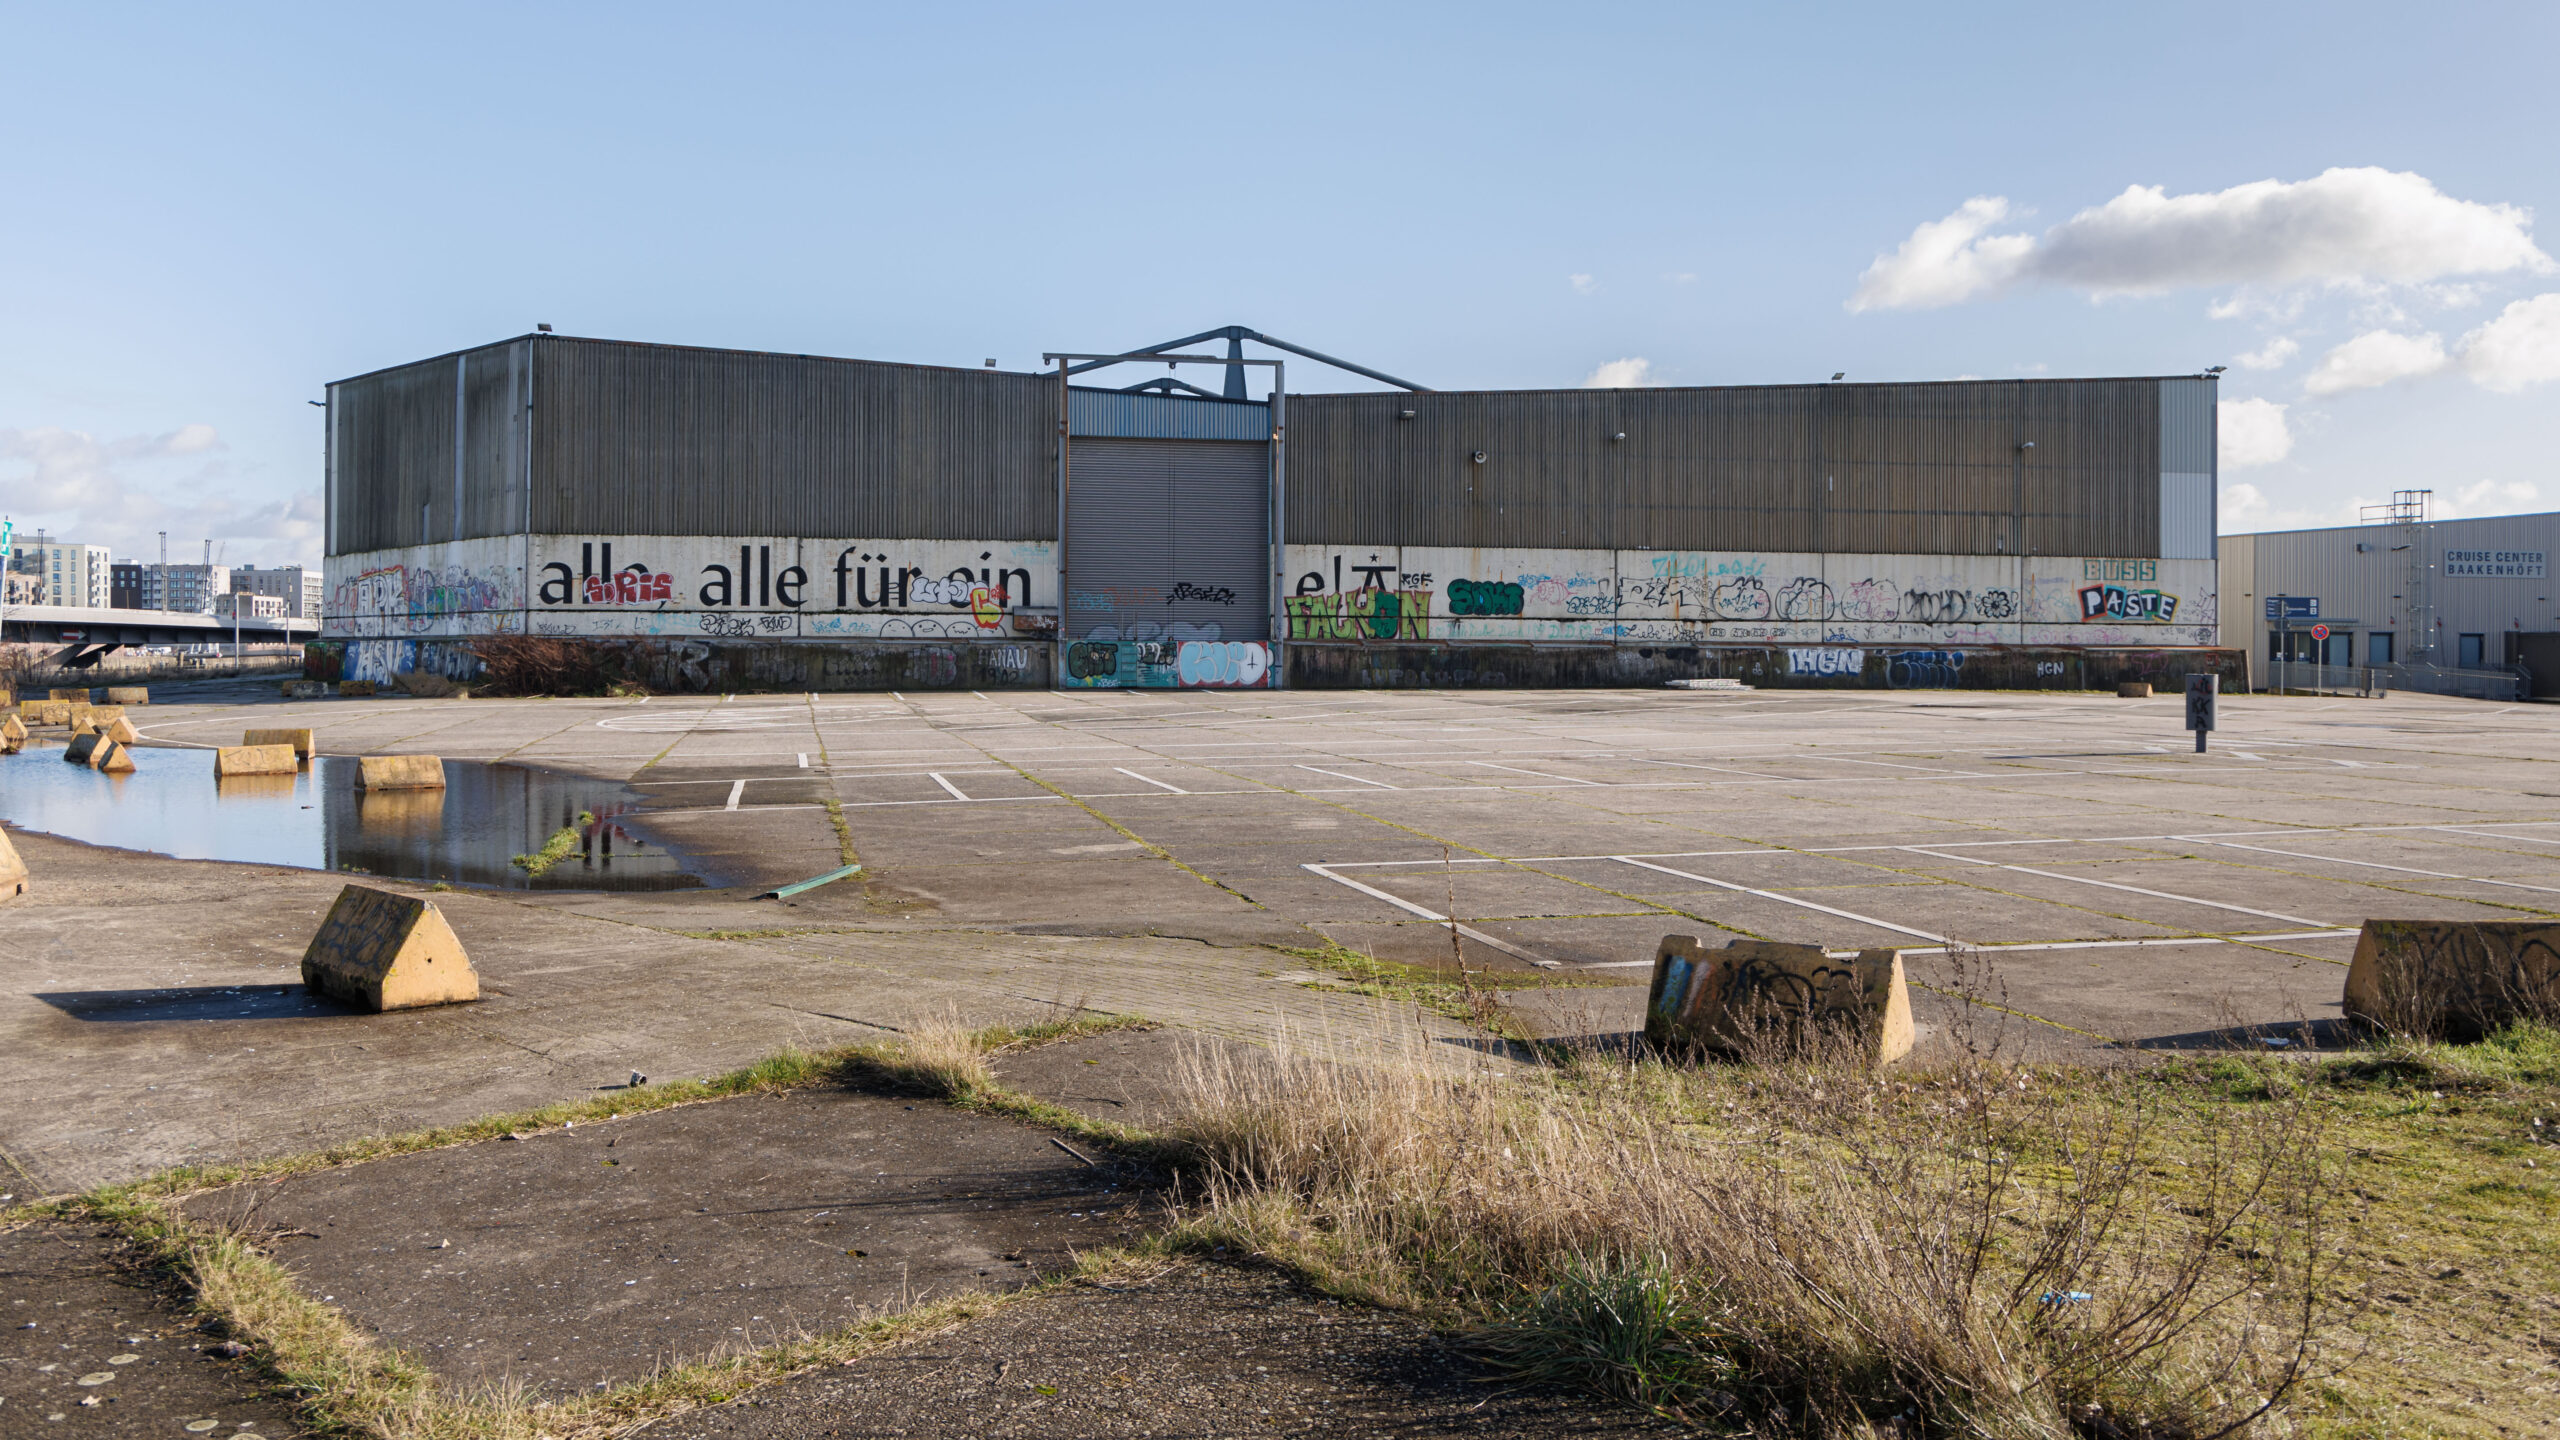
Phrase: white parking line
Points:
(940, 779)
(736, 791)
(1541, 774)
(1354, 779)
(2378, 865)
(2001, 949)
(1134, 775)
(804, 761)
(1434, 917)
(1785, 899)
(2112, 885)
(2485, 835)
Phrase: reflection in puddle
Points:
(465, 833)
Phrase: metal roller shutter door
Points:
(1168, 533)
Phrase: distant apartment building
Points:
(247, 605)
(21, 589)
(184, 589)
(124, 585)
(74, 575)
(298, 586)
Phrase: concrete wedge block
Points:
(1753, 993)
(88, 748)
(13, 871)
(122, 732)
(399, 772)
(112, 758)
(2454, 979)
(13, 728)
(379, 951)
(255, 760)
(300, 740)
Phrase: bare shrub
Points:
(1984, 1251)
(542, 665)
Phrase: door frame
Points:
(1277, 499)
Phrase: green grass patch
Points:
(562, 844)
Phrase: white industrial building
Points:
(2418, 596)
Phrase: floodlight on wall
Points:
(2216, 369)
(545, 328)
(1404, 414)
(991, 362)
(1621, 435)
(1477, 457)
(1839, 374)
(2026, 444)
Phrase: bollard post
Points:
(2202, 693)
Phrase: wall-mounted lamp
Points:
(2026, 444)
(545, 328)
(991, 362)
(2216, 369)
(1839, 374)
(1621, 435)
(1477, 457)
(1404, 414)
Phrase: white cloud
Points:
(1583, 284)
(2485, 497)
(2376, 357)
(2519, 348)
(1682, 277)
(2341, 226)
(2273, 355)
(80, 488)
(1627, 374)
(1946, 261)
(2253, 432)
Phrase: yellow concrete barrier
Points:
(81, 696)
(2454, 979)
(13, 871)
(399, 772)
(300, 740)
(255, 760)
(355, 687)
(380, 951)
(1755, 992)
(2134, 690)
(305, 689)
(81, 717)
(123, 733)
(128, 695)
(50, 712)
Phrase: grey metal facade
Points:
(2425, 599)
(1168, 537)
(571, 436)
(1923, 468)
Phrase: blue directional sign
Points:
(2293, 607)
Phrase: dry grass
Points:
(1804, 1247)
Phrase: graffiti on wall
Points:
(1924, 669)
(2115, 602)
(1162, 665)
(1360, 615)
(1827, 662)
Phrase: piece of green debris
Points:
(787, 891)
(562, 844)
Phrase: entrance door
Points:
(1168, 562)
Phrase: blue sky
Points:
(213, 211)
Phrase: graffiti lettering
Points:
(1804, 598)
(1484, 597)
(2137, 572)
(2115, 602)
(1227, 662)
(1871, 600)
(1924, 669)
(1934, 606)
(1092, 660)
(1742, 599)
(629, 587)
(1211, 594)
(1826, 662)
(1361, 615)
(735, 627)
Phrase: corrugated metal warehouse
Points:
(2402, 593)
(725, 518)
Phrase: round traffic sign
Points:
(2319, 632)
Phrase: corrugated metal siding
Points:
(1932, 469)
(2186, 426)
(662, 440)
(1165, 417)
(2372, 586)
(1164, 533)
(2187, 516)
(392, 449)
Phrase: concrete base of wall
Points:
(1313, 666)
(718, 666)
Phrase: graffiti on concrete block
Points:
(1742, 598)
(1924, 669)
(1826, 662)
(1093, 660)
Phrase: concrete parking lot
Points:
(1162, 854)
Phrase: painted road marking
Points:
(804, 760)
(1435, 917)
(1786, 899)
(1541, 774)
(1354, 779)
(2000, 948)
(1134, 775)
(944, 781)
(736, 791)
(2378, 865)
(2112, 885)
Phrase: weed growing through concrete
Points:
(562, 844)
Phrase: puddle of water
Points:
(464, 834)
